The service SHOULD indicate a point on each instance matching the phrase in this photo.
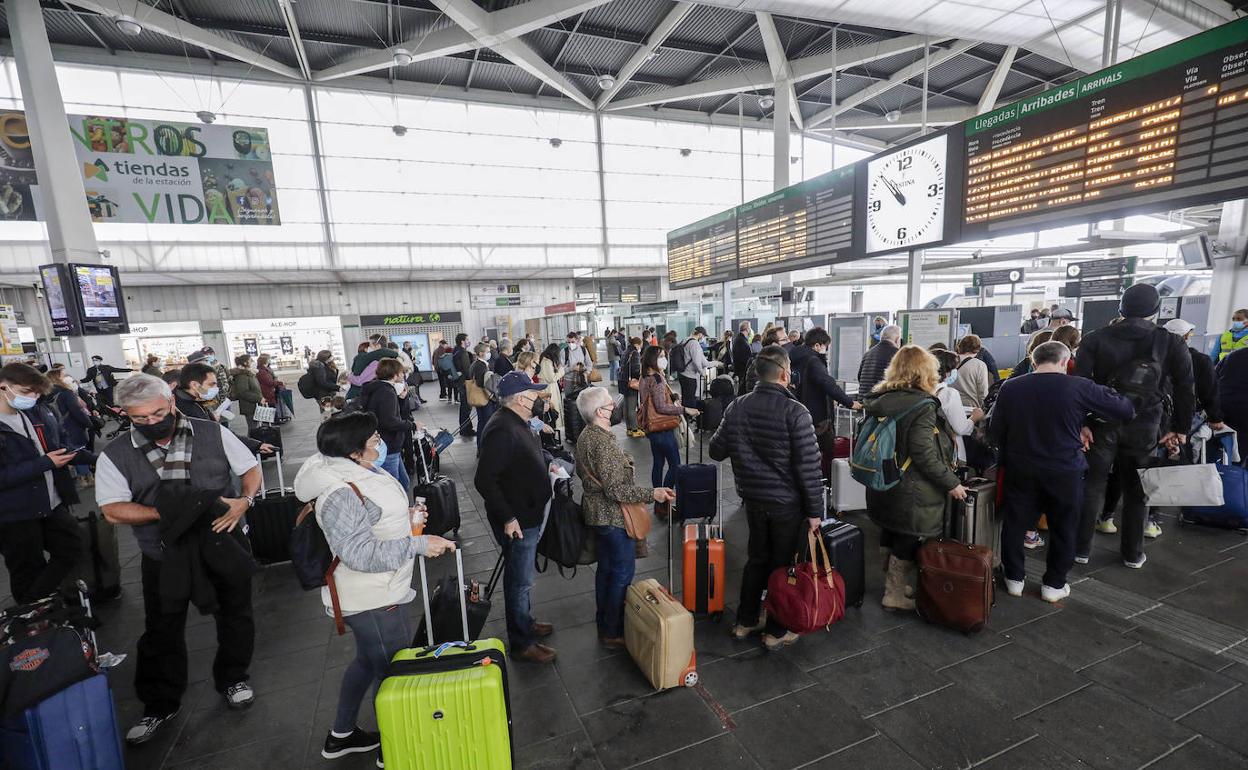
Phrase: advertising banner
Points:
(143, 171)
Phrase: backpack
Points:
(678, 357)
(1141, 378)
(446, 363)
(874, 462)
(307, 385)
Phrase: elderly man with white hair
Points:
(877, 359)
(164, 448)
(609, 480)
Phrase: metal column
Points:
(1113, 25)
(602, 189)
(914, 275)
(780, 133)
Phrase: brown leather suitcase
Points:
(955, 584)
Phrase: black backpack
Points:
(678, 357)
(307, 384)
(1140, 380)
(310, 555)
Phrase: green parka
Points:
(916, 505)
(245, 389)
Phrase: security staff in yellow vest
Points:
(1234, 338)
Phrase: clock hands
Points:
(894, 190)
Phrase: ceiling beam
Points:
(903, 75)
(656, 37)
(442, 42)
(992, 91)
(778, 58)
(941, 116)
(287, 9)
(170, 26)
(90, 30)
(753, 78)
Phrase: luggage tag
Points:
(437, 653)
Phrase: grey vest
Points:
(210, 469)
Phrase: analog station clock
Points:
(906, 197)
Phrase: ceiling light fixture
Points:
(556, 142)
(892, 116)
(399, 129)
(606, 82)
(403, 57)
(685, 152)
(128, 25)
(206, 116)
(766, 102)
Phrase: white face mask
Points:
(662, 362)
(398, 387)
(488, 356)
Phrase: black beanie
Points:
(1140, 301)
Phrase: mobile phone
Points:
(75, 449)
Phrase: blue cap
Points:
(517, 382)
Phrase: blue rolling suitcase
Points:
(75, 729)
(697, 486)
(1233, 514)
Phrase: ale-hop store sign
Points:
(137, 170)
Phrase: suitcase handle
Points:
(424, 595)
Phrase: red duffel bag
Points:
(808, 596)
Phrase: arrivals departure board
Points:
(804, 225)
(1161, 131)
(704, 252)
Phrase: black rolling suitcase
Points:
(441, 500)
(444, 605)
(267, 434)
(99, 565)
(697, 486)
(271, 520)
(572, 417)
(845, 549)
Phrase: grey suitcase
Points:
(974, 521)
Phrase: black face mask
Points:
(617, 411)
(539, 407)
(157, 431)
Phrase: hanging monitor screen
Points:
(1164, 130)
(704, 252)
(800, 226)
(100, 304)
(61, 308)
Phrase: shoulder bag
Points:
(651, 420)
(636, 515)
(313, 560)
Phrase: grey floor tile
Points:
(1015, 678)
(1202, 657)
(937, 646)
(826, 647)
(1157, 580)
(565, 752)
(751, 677)
(952, 728)
(1075, 637)
(1163, 682)
(1200, 754)
(1035, 754)
(1213, 600)
(1011, 611)
(216, 729)
(779, 733)
(540, 713)
(595, 685)
(632, 732)
(724, 752)
(878, 753)
(261, 755)
(1105, 729)
(879, 679)
(1223, 720)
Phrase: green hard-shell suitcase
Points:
(446, 707)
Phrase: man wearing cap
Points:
(695, 364)
(101, 376)
(512, 478)
(1061, 317)
(1141, 361)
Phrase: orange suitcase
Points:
(703, 572)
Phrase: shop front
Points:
(289, 342)
(419, 333)
(170, 341)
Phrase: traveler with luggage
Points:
(245, 389)
(575, 354)
(961, 424)
(36, 490)
(103, 377)
(478, 386)
(1135, 357)
(164, 448)
(513, 480)
(973, 381)
(324, 377)
(690, 364)
(817, 387)
(741, 354)
(462, 359)
(1232, 378)
(443, 366)
(1235, 338)
(630, 384)
(550, 373)
(76, 425)
(269, 384)
(369, 527)
(380, 398)
(1037, 423)
(877, 359)
(660, 417)
(608, 477)
(770, 439)
(914, 508)
(772, 336)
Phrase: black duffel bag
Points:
(45, 647)
(566, 541)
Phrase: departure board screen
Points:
(1161, 131)
(704, 252)
(804, 225)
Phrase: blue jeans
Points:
(484, 413)
(663, 447)
(379, 634)
(517, 583)
(617, 560)
(614, 371)
(394, 466)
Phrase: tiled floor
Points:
(1137, 669)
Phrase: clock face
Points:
(906, 197)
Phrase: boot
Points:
(895, 585)
(886, 554)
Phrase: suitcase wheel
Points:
(691, 679)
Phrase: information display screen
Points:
(64, 319)
(98, 291)
(800, 226)
(1164, 130)
(703, 252)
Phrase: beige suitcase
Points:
(658, 632)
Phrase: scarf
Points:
(174, 462)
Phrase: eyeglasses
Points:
(149, 419)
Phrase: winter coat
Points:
(549, 375)
(378, 398)
(361, 362)
(1104, 353)
(916, 505)
(775, 459)
(75, 419)
(818, 386)
(512, 476)
(23, 487)
(268, 384)
(324, 379)
(245, 389)
(741, 355)
(655, 391)
(874, 362)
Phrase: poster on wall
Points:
(288, 345)
(145, 171)
(249, 344)
(10, 337)
(419, 350)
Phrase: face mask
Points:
(159, 430)
(539, 407)
(22, 403)
(662, 362)
(488, 356)
(952, 378)
(398, 387)
(210, 360)
(70, 382)
(381, 454)
(617, 411)
(536, 424)
(1237, 326)
(97, 361)
(211, 393)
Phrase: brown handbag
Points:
(652, 421)
(636, 515)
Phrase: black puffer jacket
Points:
(1104, 354)
(771, 440)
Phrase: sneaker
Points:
(1106, 526)
(776, 643)
(357, 742)
(1033, 540)
(1014, 587)
(1082, 559)
(146, 728)
(1152, 530)
(1054, 595)
(1137, 563)
(740, 632)
(239, 695)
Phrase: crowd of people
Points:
(1063, 433)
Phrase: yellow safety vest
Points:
(1229, 344)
